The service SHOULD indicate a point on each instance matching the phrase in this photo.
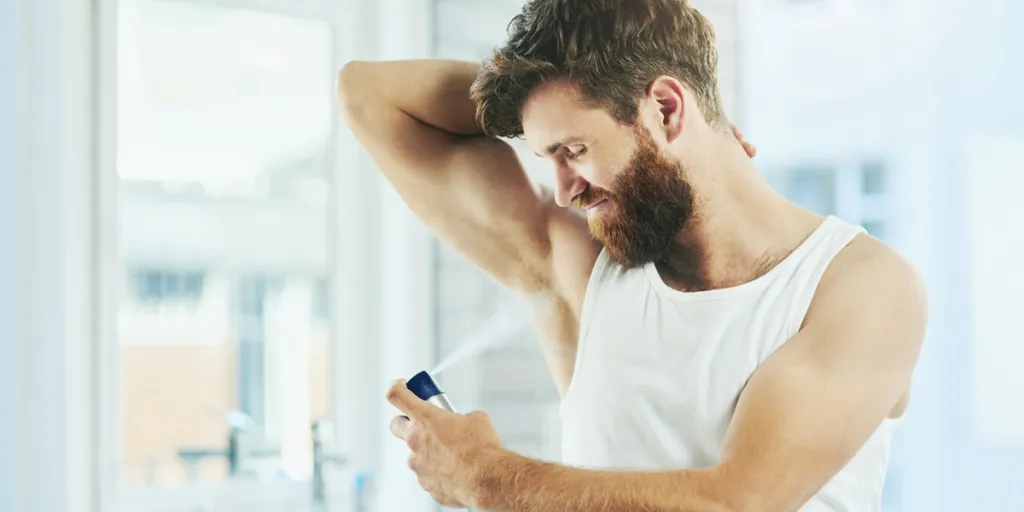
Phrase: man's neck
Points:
(740, 230)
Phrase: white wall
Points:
(14, 257)
(46, 168)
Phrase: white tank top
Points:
(658, 371)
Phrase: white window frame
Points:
(378, 258)
(355, 322)
(231, 495)
(60, 410)
(47, 155)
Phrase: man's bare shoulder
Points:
(870, 282)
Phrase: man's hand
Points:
(748, 147)
(449, 450)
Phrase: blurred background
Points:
(205, 288)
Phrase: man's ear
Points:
(670, 97)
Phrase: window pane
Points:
(872, 179)
(812, 188)
(875, 228)
(224, 126)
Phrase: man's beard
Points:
(651, 204)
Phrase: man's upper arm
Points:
(474, 194)
(814, 403)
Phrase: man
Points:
(717, 347)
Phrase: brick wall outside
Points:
(177, 396)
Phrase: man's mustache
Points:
(590, 196)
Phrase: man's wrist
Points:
(492, 470)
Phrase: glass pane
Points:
(812, 188)
(872, 179)
(224, 129)
(875, 228)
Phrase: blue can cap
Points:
(423, 386)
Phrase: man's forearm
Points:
(513, 483)
(434, 91)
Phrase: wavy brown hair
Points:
(610, 50)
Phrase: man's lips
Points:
(594, 204)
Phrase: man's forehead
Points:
(552, 100)
(555, 114)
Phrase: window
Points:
(321, 301)
(872, 179)
(812, 188)
(163, 287)
(874, 228)
(225, 122)
(853, 190)
(250, 384)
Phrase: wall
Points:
(14, 259)
(46, 170)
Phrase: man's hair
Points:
(609, 50)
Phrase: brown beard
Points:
(651, 205)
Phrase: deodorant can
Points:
(424, 386)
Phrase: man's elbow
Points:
(740, 502)
(355, 89)
(728, 493)
(745, 501)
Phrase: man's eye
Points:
(575, 152)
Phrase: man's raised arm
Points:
(417, 121)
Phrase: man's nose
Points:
(569, 185)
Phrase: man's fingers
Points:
(736, 132)
(749, 148)
(410, 404)
(400, 427)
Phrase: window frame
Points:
(371, 230)
(345, 326)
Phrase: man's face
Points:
(636, 197)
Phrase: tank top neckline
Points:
(667, 292)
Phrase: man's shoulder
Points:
(869, 311)
(867, 260)
(869, 280)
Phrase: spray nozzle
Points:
(423, 386)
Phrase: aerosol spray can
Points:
(423, 386)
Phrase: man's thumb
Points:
(407, 402)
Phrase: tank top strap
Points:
(831, 238)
